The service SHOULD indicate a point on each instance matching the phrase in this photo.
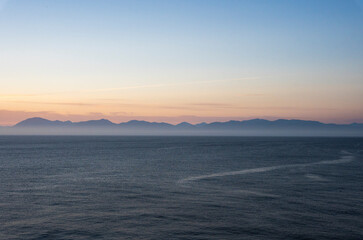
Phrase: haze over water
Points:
(180, 188)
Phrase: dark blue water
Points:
(180, 188)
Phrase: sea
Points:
(150, 187)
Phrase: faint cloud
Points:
(58, 103)
(136, 87)
(18, 95)
(168, 84)
(211, 104)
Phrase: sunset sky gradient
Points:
(177, 61)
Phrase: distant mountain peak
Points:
(184, 124)
(35, 121)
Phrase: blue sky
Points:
(302, 56)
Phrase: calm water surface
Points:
(180, 188)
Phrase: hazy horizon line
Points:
(174, 124)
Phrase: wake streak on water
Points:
(343, 159)
(256, 193)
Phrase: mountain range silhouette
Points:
(259, 127)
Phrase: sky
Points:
(186, 60)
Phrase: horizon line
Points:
(231, 120)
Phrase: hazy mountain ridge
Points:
(252, 127)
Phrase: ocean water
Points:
(57, 187)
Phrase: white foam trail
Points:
(255, 193)
(345, 152)
(344, 159)
(316, 177)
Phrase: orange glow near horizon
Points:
(194, 103)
